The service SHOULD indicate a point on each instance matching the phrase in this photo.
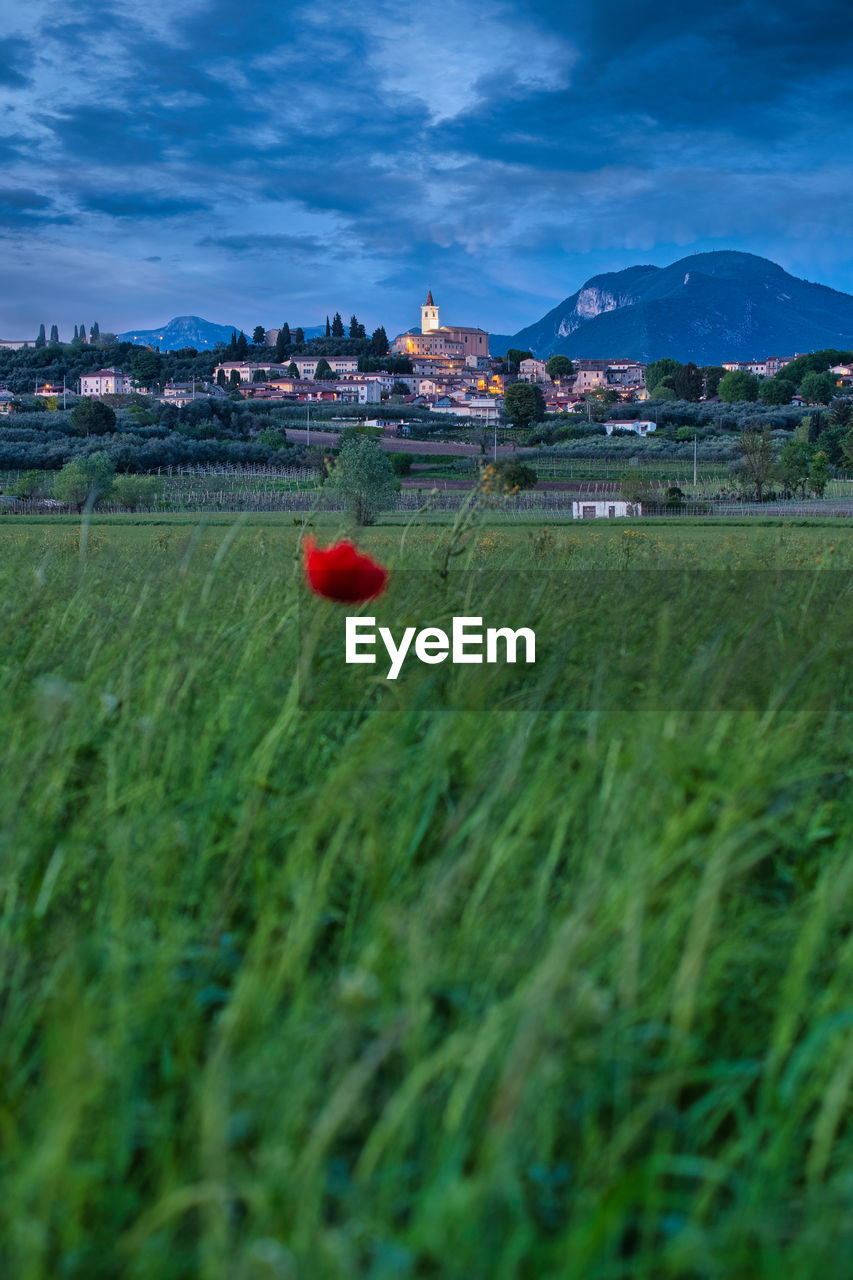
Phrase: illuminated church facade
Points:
(442, 342)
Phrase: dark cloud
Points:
(303, 248)
(132, 204)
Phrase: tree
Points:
(82, 333)
(221, 380)
(272, 438)
(134, 492)
(299, 337)
(259, 375)
(379, 341)
(337, 326)
(818, 388)
(54, 335)
(30, 485)
(145, 367)
(401, 463)
(774, 391)
(354, 327)
(323, 372)
(76, 337)
(524, 403)
(41, 340)
(328, 328)
(95, 334)
(687, 382)
(757, 457)
(737, 386)
(84, 480)
(259, 336)
(795, 462)
(663, 391)
(401, 388)
(660, 369)
(713, 374)
(282, 343)
(507, 476)
(515, 355)
(234, 379)
(241, 347)
(292, 370)
(599, 400)
(819, 473)
(559, 367)
(93, 418)
(364, 477)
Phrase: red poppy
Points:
(342, 573)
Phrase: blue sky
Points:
(267, 161)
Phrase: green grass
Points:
(390, 993)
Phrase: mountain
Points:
(183, 331)
(707, 307)
(192, 331)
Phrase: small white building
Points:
(533, 371)
(15, 344)
(105, 382)
(605, 508)
(639, 427)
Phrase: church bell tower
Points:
(429, 315)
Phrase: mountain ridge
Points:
(706, 307)
(194, 331)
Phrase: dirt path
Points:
(398, 444)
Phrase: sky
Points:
(260, 162)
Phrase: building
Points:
(460, 342)
(8, 402)
(640, 428)
(181, 393)
(15, 344)
(105, 382)
(533, 371)
(306, 365)
(607, 508)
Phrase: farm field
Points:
(302, 983)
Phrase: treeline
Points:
(21, 370)
(808, 376)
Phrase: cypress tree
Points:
(76, 337)
(242, 346)
(282, 342)
(299, 337)
(328, 328)
(54, 335)
(82, 333)
(41, 340)
(337, 326)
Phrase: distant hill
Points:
(192, 331)
(707, 307)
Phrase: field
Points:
(306, 981)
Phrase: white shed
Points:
(605, 508)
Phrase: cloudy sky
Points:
(264, 161)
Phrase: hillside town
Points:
(446, 369)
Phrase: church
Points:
(445, 342)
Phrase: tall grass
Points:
(391, 993)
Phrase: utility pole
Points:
(63, 391)
(308, 423)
